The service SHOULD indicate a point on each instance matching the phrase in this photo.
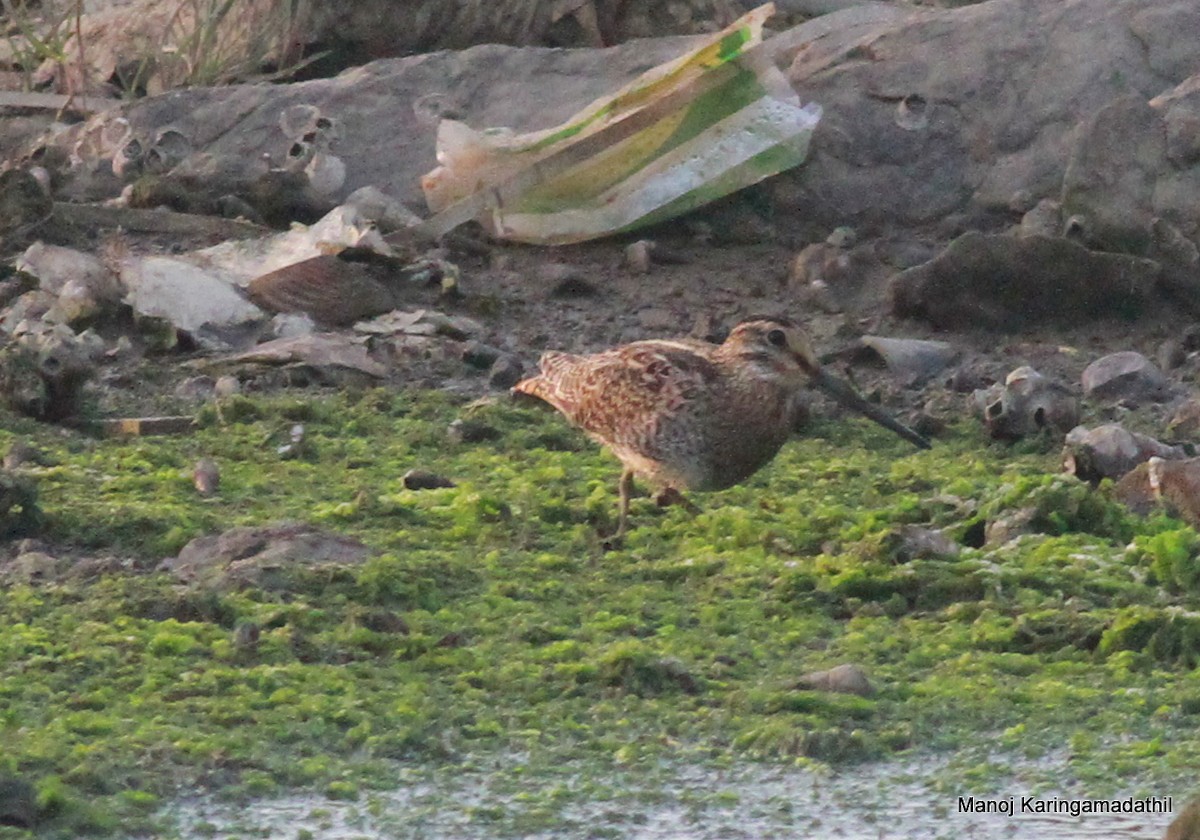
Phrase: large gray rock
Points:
(1126, 375)
(1002, 86)
(1003, 281)
(276, 556)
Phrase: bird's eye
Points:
(777, 337)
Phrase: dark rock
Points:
(43, 374)
(506, 372)
(1026, 404)
(385, 621)
(1110, 451)
(1158, 483)
(1004, 282)
(272, 557)
(845, 679)
(21, 454)
(471, 431)
(24, 204)
(1185, 420)
(196, 388)
(18, 803)
(480, 355)
(425, 480)
(1126, 375)
(452, 640)
(1110, 177)
(246, 636)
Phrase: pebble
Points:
(844, 679)
(1171, 354)
(480, 355)
(1126, 375)
(471, 431)
(425, 480)
(206, 476)
(637, 256)
(506, 372)
(227, 386)
(21, 454)
(195, 388)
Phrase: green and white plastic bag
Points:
(683, 134)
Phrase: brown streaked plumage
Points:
(688, 415)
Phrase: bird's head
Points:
(775, 345)
(778, 347)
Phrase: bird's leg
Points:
(625, 489)
(671, 496)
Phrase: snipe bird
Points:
(689, 415)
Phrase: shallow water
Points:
(664, 802)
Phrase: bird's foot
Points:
(671, 496)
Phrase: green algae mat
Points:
(490, 620)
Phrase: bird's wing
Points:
(627, 395)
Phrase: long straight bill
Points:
(847, 396)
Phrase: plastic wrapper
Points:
(709, 123)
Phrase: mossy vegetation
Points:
(491, 618)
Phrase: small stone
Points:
(506, 372)
(1191, 338)
(206, 476)
(18, 803)
(1186, 419)
(674, 670)
(1173, 485)
(1171, 354)
(1026, 404)
(844, 679)
(1021, 201)
(573, 287)
(22, 454)
(471, 431)
(452, 640)
(842, 237)
(1009, 527)
(425, 480)
(638, 256)
(562, 279)
(385, 621)
(196, 388)
(37, 566)
(653, 318)
(227, 386)
(1110, 451)
(1126, 375)
(480, 355)
(246, 636)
